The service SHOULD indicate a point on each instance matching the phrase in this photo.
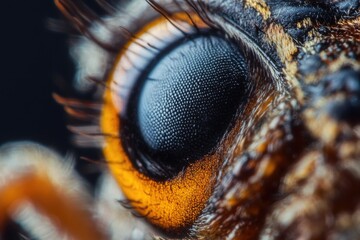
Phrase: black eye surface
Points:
(183, 104)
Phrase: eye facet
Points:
(184, 103)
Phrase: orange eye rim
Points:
(171, 205)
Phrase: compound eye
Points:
(184, 103)
(174, 97)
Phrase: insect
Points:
(216, 119)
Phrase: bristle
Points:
(82, 17)
(98, 162)
(201, 9)
(76, 103)
(181, 7)
(82, 141)
(89, 131)
(166, 15)
(78, 14)
(80, 115)
(109, 8)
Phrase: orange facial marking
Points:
(172, 204)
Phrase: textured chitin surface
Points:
(295, 174)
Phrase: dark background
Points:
(34, 65)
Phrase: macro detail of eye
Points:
(184, 104)
(173, 97)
